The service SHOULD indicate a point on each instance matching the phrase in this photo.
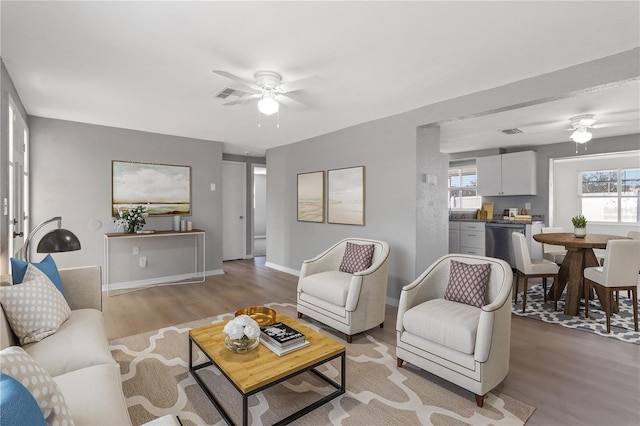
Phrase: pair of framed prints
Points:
(344, 200)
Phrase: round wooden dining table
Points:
(579, 255)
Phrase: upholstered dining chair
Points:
(532, 268)
(634, 235)
(620, 272)
(454, 321)
(553, 252)
(345, 287)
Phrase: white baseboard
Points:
(168, 280)
(282, 268)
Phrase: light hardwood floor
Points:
(571, 377)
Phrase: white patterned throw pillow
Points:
(15, 362)
(468, 283)
(35, 309)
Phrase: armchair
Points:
(348, 302)
(464, 344)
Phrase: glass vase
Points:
(242, 345)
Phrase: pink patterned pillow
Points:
(357, 257)
(468, 283)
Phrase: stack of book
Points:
(282, 339)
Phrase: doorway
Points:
(259, 210)
(233, 210)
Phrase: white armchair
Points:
(464, 344)
(350, 303)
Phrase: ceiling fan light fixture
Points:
(268, 104)
(581, 135)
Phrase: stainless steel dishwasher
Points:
(498, 241)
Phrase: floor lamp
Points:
(56, 241)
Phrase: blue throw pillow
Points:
(48, 266)
(17, 405)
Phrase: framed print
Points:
(311, 197)
(346, 196)
(165, 188)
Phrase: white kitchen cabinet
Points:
(507, 174)
(454, 237)
(472, 238)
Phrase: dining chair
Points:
(620, 272)
(634, 235)
(532, 268)
(553, 252)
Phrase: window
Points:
(610, 195)
(462, 188)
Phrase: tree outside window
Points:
(611, 196)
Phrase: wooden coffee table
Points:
(260, 369)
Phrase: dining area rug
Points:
(156, 382)
(622, 327)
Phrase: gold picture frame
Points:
(310, 204)
(346, 201)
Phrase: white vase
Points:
(580, 232)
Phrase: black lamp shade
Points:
(57, 241)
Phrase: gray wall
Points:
(386, 148)
(71, 177)
(397, 152)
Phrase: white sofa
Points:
(77, 356)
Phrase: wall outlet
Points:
(136, 250)
(213, 186)
(527, 206)
(143, 261)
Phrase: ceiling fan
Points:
(267, 89)
(580, 124)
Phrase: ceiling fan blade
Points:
(246, 85)
(616, 124)
(243, 100)
(296, 85)
(289, 102)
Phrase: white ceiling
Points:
(148, 65)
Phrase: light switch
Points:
(136, 250)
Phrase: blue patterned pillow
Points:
(468, 283)
(48, 266)
(357, 257)
(17, 405)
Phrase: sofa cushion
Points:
(15, 362)
(47, 265)
(468, 283)
(35, 309)
(80, 342)
(17, 405)
(447, 323)
(94, 395)
(332, 286)
(356, 258)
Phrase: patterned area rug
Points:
(621, 323)
(156, 382)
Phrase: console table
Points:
(199, 276)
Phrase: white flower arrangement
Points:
(242, 327)
(133, 219)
